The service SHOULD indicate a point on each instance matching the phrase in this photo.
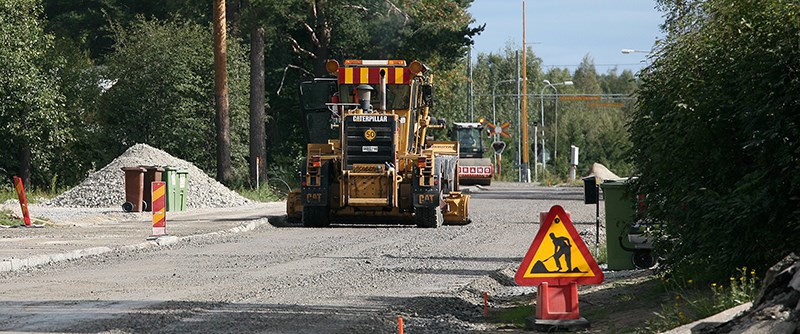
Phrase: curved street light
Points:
(632, 51)
(541, 95)
(629, 51)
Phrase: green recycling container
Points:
(183, 189)
(176, 181)
(619, 205)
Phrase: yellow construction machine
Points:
(369, 157)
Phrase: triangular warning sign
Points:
(558, 255)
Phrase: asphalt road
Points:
(283, 278)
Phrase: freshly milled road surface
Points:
(278, 278)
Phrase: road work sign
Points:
(558, 255)
(159, 208)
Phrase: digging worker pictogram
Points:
(563, 247)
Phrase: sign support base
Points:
(557, 309)
(557, 302)
(549, 326)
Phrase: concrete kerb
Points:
(40, 260)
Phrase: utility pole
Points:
(223, 120)
(257, 132)
(470, 102)
(519, 128)
(525, 167)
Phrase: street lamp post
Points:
(541, 95)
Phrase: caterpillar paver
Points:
(369, 157)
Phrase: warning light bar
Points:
(358, 62)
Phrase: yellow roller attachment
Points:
(457, 209)
(294, 207)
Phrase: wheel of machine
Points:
(428, 217)
(316, 216)
(487, 182)
(643, 259)
(127, 206)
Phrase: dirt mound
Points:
(105, 187)
(602, 172)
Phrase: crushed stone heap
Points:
(106, 187)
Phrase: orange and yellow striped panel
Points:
(371, 75)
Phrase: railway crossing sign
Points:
(558, 255)
(499, 130)
(498, 146)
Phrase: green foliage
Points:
(599, 131)
(86, 23)
(494, 74)
(262, 194)
(31, 114)
(716, 136)
(691, 302)
(164, 94)
(7, 218)
(302, 35)
(81, 80)
(7, 192)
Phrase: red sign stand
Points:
(557, 261)
(159, 209)
(23, 200)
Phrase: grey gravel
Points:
(106, 187)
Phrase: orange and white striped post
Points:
(23, 200)
(159, 208)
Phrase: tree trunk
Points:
(25, 164)
(221, 94)
(234, 15)
(258, 166)
(322, 36)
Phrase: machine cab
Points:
(469, 137)
(320, 121)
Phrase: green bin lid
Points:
(621, 182)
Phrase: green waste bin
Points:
(619, 205)
(177, 185)
(183, 189)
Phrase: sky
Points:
(562, 32)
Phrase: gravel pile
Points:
(106, 187)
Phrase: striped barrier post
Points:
(23, 200)
(159, 208)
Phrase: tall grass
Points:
(692, 303)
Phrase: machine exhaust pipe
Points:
(382, 89)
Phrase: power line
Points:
(596, 65)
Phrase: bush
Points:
(716, 136)
(164, 94)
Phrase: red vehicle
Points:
(474, 168)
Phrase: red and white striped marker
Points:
(23, 200)
(159, 208)
(485, 304)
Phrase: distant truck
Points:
(474, 168)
